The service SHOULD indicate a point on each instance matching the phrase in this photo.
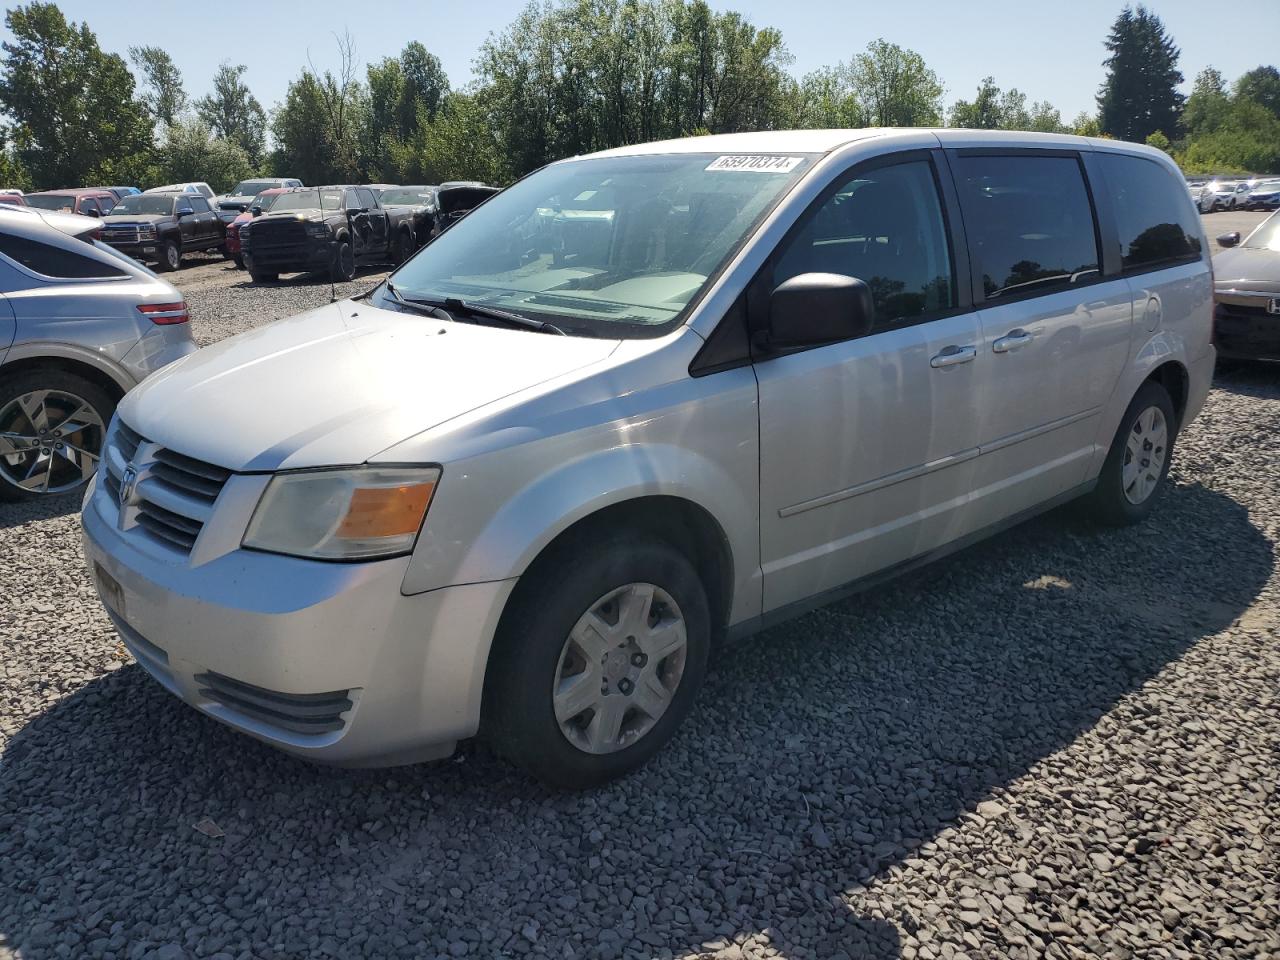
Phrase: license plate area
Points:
(109, 589)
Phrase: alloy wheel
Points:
(172, 256)
(1144, 455)
(620, 668)
(50, 441)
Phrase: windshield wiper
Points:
(506, 316)
(423, 307)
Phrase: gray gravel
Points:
(1063, 743)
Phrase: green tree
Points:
(462, 143)
(825, 99)
(191, 152)
(1159, 141)
(895, 88)
(1139, 95)
(1085, 125)
(1208, 106)
(319, 127)
(75, 116)
(163, 94)
(1262, 86)
(233, 112)
(983, 112)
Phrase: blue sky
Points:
(1050, 51)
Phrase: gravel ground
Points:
(1062, 743)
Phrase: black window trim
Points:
(757, 289)
(978, 291)
(121, 275)
(1093, 164)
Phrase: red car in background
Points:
(13, 197)
(261, 204)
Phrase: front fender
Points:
(529, 521)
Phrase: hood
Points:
(460, 199)
(240, 200)
(340, 384)
(1247, 268)
(135, 218)
(298, 213)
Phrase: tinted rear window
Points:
(1156, 224)
(1030, 223)
(53, 261)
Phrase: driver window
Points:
(886, 228)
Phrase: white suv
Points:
(637, 402)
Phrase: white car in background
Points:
(1217, 195)
(199, 187)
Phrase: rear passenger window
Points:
(1156, 224)
(886, 228)
(199, 204)
(53, 261)
(1030, 223)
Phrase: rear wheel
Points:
(344, 262)
(52, 428)
(1134, 473)
(598, 661)
(170, 255)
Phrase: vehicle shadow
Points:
(310, 279)
(1248, 378)
(822, 754)
(47, 508)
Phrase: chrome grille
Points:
(174, 493)
(306, 713)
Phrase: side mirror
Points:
(255, 211)
(1229, 239)
(93, 213)
(185, 211)
(817, 308)
(355, 210)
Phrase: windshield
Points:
(608, 246)
(410, 196)
(308, 200)
(1267, 185)
(142, 203)
(265, 202)
(251, 188)
(51, 201)
(1267, 236)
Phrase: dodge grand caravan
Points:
(638, 402)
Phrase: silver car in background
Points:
(80, 325)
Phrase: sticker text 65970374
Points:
(754, 163)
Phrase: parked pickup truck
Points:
(332, 229)
(161, 227)
(240, 199)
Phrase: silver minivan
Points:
(637, 403)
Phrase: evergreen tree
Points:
(1140, 95)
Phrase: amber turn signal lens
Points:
(386, 511)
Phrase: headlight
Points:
(317, 230)
(147, 233)
(351, 514)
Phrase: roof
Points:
(825, 141)
(69, 192)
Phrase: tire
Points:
(238, 261)
(536, 643)
(344, 263)
(170, 256)
(1126, 493)
(403, 248)
(69, 458)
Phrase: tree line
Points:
(564, 78)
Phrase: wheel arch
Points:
(114, 383)
(1173, 376)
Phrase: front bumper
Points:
(296, 258)
(144, 251)
(1246, 332)
(328, 661)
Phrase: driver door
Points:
(867, 445)
(360, 232)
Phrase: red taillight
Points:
(165, 313)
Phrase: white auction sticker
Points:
(755, 163)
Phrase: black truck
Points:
(161, 227)
(330, 229)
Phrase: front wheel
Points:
(598, 661)
(52, 430)
(344, 263)
(403, 248)
(170, 256)
(1137, 464)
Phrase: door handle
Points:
(952, 355)
(1012, 340)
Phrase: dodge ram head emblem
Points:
(128, 484)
